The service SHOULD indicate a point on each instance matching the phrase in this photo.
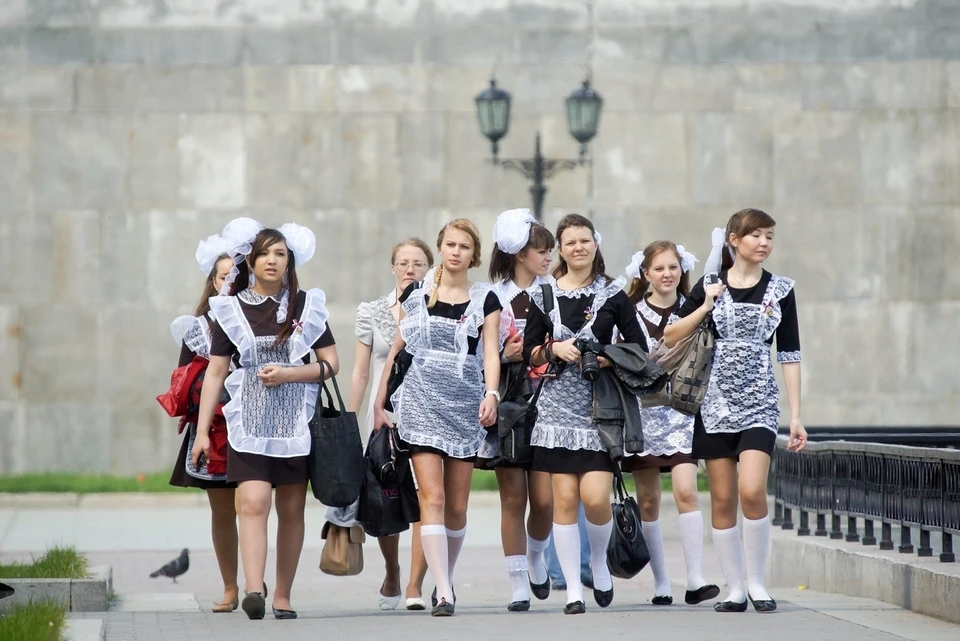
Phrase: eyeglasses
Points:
(405, 265)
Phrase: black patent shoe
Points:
(603, 597)
(254, 605)
(577, 607)
(730, 606)
(705, 593)
(443, 609)
(519, 606)
(433, 598)
(762, 605)
(284, 614)
(541, 590)
(662, 600)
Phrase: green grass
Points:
(57, 563)
(36, 621)
(87, 483)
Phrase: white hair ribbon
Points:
(238, 237)
(715, 259)
(209, 250)
(633, 269)
(511, 232)
(301, 241)
(597, 238)
(687, 259)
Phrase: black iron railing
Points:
(894, 485)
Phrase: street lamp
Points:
(583, 108)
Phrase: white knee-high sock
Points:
(566, 538)
(691, 539)
(756, 547)
(434, 541)
(454, 545)
(535, 565)
(517, 570)
(727, 544)
(653, 535)
(599, 536)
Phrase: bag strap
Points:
(547, 290)
(619, 487)
(324, 365)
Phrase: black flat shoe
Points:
(254, 605)
(762, 605)
(541, 590)
(284, 614)
(603, 597)
(730, 606)
(443, 609)
(705, 593)
(519, 606)
(577, 607)
(662, 600)
(433, 598)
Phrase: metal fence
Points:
(893, 485)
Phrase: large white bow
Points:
(511, 232)
(209, 250)
(715, 259)
(301, 242)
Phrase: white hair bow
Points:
(238, 237)
(511, 232)
(597, 238)
(715, 259)
(687, 259)
(209, 250)
(301, 242)
(633, 269)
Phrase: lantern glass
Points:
(583, 113)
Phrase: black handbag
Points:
(336, 453)
(627, 551)
(388, 500)
(401, 363)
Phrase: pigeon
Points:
(174, 568)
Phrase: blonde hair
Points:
(471, 230)
(412, 242)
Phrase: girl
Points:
(520, 260)
(588, 304)
(269, 326)
(660, 281)
(738, 420)
(192, 333)
(377, 323)
(442, 396)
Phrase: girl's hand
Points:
(798, 436)
(566, 352)
(380, 418)
(604, 362)
(712, 293)
(488, 410)
(513, 349)
(273, 375)
(201, 445)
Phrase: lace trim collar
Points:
(253, 298)
(651, 315)
(509, 290)
(597, 285)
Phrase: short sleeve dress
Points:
(741, 408)
(267, 428)
(376, 328)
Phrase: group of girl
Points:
(460, 336)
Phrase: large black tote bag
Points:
(336, 453)
(627, 551)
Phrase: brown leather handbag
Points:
(342, 553)
(688, 385)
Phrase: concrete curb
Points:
(924, 585)
(76, 595)
(85, 630)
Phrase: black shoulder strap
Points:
(547, 291)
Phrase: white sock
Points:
(434, 541)
(691, 539)
(727, 545)
(566, 538)
(653, 535)
(756, 547)
(517, 569)
(599, 536)
(454, 545)
(535, 565)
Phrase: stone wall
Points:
(129, 129)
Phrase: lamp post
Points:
(583, 108)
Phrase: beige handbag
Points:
(342, 553)
(688, 385)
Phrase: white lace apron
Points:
(261, 420)
(194, 332)
(742, 392)
(565, 406)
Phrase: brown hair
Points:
(639, 286)
(209, 289)
(264, 239)
(743, 223)
(471, 230)
(576, 220)
(503, 265)
(412, 242)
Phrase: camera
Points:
(589, 351)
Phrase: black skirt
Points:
(730, 444)
(180, 478)
(426, 449)
(559, 460)
(243, 466)
(662, 463)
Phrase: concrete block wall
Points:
(130, 129)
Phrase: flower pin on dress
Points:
(462, 320)
(587, 314)
(297, 326)
(768, 308)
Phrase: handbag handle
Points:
(619, 487)
(324, 365)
